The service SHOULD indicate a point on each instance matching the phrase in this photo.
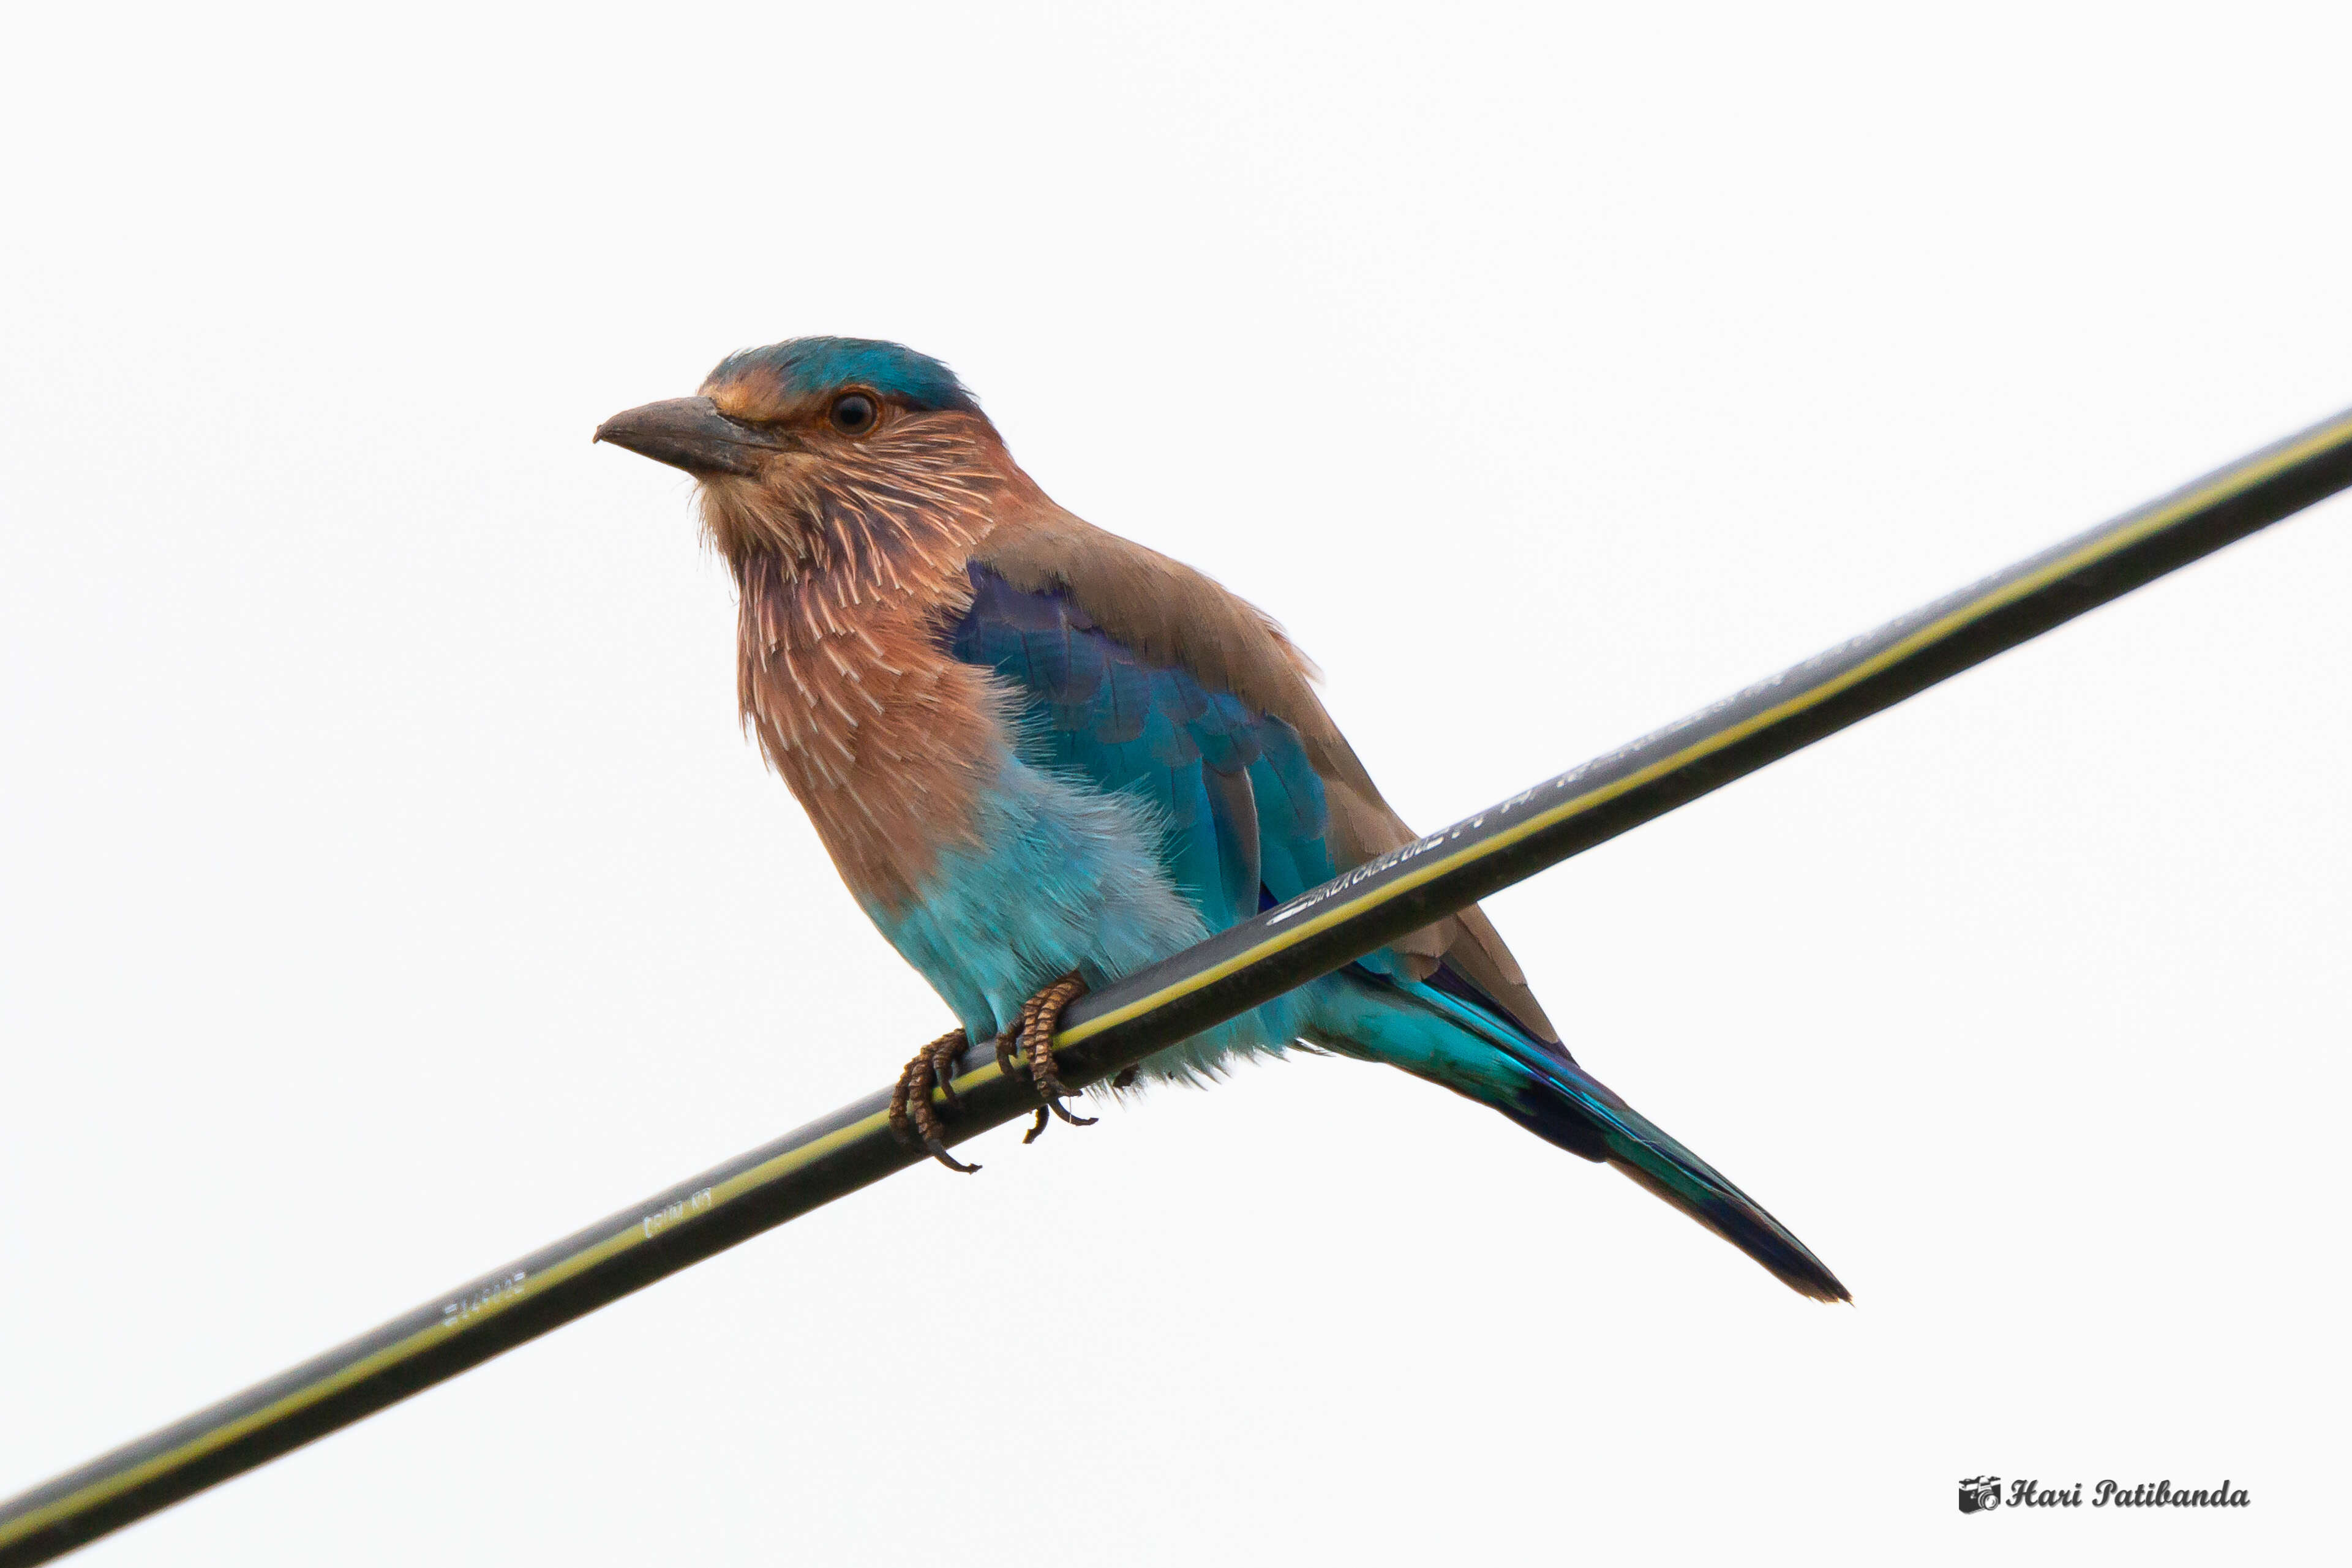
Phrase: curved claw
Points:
(938, 1152)
(913, 1121)
(1039, 1017)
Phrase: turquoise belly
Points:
(1064, 877)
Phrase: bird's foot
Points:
(912, 1116)
(1033, 1032)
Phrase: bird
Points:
(1042, 757)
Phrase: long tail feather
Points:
(1476, 1052)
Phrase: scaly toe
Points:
(1040, 1016)
(945, 1052)
(913, 1119)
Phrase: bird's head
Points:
(806, 446)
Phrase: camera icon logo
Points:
(1979, 1494)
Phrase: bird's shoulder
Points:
(1167, 613)
(1170, 614)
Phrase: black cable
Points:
(1204, 985)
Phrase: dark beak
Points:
(690, 432)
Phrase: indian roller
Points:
(1042, 757)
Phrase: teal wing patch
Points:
(1245, 810)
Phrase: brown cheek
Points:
(734, 516)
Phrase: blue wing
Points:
(1248, 827)
(1245, 810)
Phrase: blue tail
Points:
(1452, 1038)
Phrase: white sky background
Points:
(385, 889)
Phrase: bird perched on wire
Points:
(1044, 757)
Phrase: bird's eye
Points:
(853, 413)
